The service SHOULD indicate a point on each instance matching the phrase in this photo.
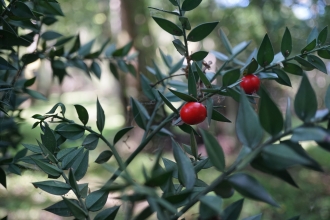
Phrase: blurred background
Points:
(125, 20)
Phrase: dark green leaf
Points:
(103, 157)
(255, 217)
(46, 153)
(50, 35)
(305, 103)
(225, 41)
(168, 103)
(61, 209)
(62, 153)
(176, 66)
(310, 133)
(63, 41)
(309, 47)
(159, 178)
(231, 77)
(192, 86)
(202, 76)
(322, 37)
(166, 58)
(251, 188)
(306, 64)
(82, 113)
(107, 214)
(114, 70)
(248, 128)
(96, 69)
(183, 96)
(3, 178)
(209, 109)
(170, 12)
(48, 139)
(185, 23)
(286, 44)
(76, 45)
(123, 51)
(146, 87)
(199, 55)
(295, 218)
(292, 68)
(168, 26)
(265, 53)
(49, 8)
(233, 211)
(210, 206)
(185, 167)
(120, 134)
(76, 210)
(214, 150)
(71, 131)
(48, 168)
(174, 2)
(91, 141)
(80, 165)
(251, 67)
(312, 36)
(189, 5)
(4, 65)
(140, 114)
(287, 125)
(217, 116)
(193, 144)
(274, 124)
(100, 116)
(53, 187)
(324, 54)
(96, 200)
(71, 157)
(29, 58)
(73, 182)
(86, 48)
(33, 148)
(21, 10)
(201, 31)
(179, 46)
(327, 98)
(283, 78)
(317, 63)
(34, 94)
(8, 27)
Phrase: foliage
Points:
(269, 142)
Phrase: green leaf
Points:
(71, 131)
(214, 150)
(49, 8)
(317, 63)
(295, 218)
(192, 87)
(183, 96)
(34, 94)
(62, 153)
(50, 35)
(82, 113)
(292, 68)
(251, 67)
(96, 69)
(170, 12)
(282, 77)
(166, 58)
(113, 70)
(48, 168)
(209, 109)
(306, 64)
(29, 58)
(73, 181)
(327, 98)
(103, 157)
(176, 66)
(310, 133)
(53, 187)
(71, 157)
(231, 77)
(63, 41)
(220, 56)
(265, 53)
(120, 134)
(185, 167)
(168, 103)
(91, 141)
(233, 211)
(46, 153)
(255, 217)
(201, 31)
(76, 45)
(3, 178)
(274, 124)
(96, 200)
(168, 26)
(76, 210)
(199, 55)
(86, 48)
(305, 103)
(48, 139)
(189, 5)
(309, 47)
(4, 65)
(123, 51)
(179, 46)
(175, 2)
(107, 214)
(225, 41)
(193, 144)
(21, 10)
(217, 116)
(238, 49)
(286, 44)
(322, 37)
(159, 178)
(141, 116)
(248, 128)
(61, 209)
(210, 206)
(8, 27)
(146, 87)
(324, 54)
(249, 187)
(80, 165)
(33, 148)
(100, 116)
(312, 36)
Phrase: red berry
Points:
(250, 83)
(193, 113)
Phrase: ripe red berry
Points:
(193, 113)
(250, 83)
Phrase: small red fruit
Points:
(193, 113)
(250, 83)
